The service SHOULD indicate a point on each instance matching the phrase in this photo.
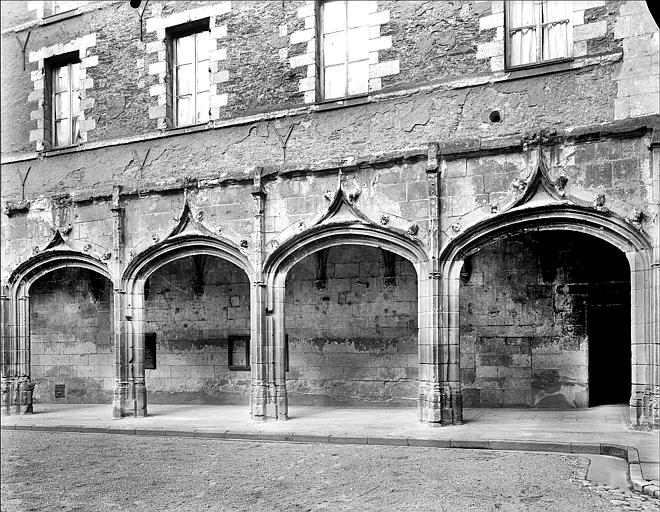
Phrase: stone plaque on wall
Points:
(239, 352)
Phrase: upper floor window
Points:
(538, 31)
(344, 48)
(191, 70)
(64, 6)
(65, 104)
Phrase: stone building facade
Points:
(458, 228)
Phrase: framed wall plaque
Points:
(239, 352)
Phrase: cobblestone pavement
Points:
(52, 471)
(625, 499)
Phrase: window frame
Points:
(172, 34)
(321, 60)
(52, 65)
(50, 6)
(231, 342)
(539, 39)
(54, 4)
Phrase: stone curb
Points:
(627, 453)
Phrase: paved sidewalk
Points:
(599, 430)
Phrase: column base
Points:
(270, 403)
(259, 402)
(17, 395)
(6, 389)
(643, 409)
(140, 399)
(429, 405)
(436, 407)
(122, 406)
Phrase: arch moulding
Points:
(16, 382)
(130, 396)
(343, 224)
(567, 216)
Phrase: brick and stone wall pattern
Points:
(353, 342)
(71, 337)
(192, 331)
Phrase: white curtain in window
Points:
(345, 49)
(557, 40)
(523, 18)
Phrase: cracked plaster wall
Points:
(433, 41)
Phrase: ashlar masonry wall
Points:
(352, 339)
(193, 307)
(71, 337)
(526, 338)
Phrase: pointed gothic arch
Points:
(542, 205)
(58, 254)
(189, 238)
(344, 224)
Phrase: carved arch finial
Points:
(189, 222)
(342, 210)
(538, 188)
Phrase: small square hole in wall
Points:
(59, 390)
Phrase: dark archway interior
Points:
(545, 322)
(71, 337)
(197, 332)
(351, 326)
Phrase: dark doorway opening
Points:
(545, 322)
(608, 328)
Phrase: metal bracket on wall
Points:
(23, 45)
(135, 5)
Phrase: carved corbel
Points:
(560, 184)
(599, 201)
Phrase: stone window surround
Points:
(83, 46)
(45, 9)
(162, 111)
(310, 85)
(495, 49)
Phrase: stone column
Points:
(23, 386)
(137, 353)
(430, 388)
(259, 353)
(258, 338)
(642, 393)
(429, 306)
(6, 343)
(452, 404)
(123, 403)
(278, 404)
(653, 408)
(120, 400)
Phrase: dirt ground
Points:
(46, 471)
